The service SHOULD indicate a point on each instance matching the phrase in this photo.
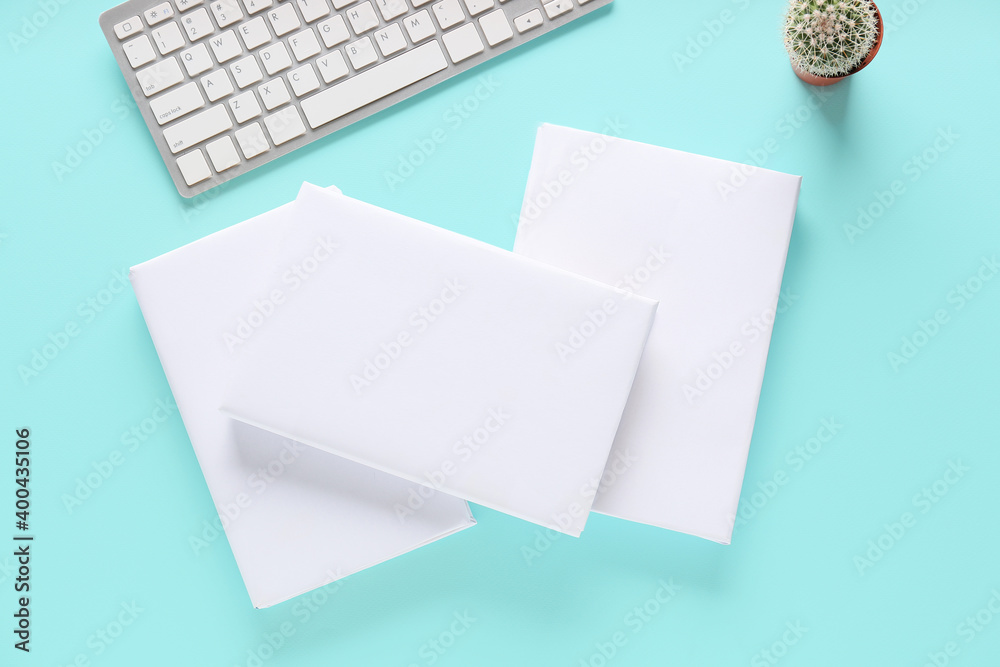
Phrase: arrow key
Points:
(529, 21)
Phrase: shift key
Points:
(193, 130)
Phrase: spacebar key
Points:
(374, 84)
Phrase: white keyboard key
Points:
(128, 27)
(558, 7)
(190, 131)
(159, 76)
(529, 21)
(332, 66)
(197, 24)
(275, 58)
(252, 140)
(284, 125)
(177, 103)
(244, 106)
(334, 31)
(246, 71)
(254, 33)
(284, 19)
(313, 9)
(303, 80)
(159, 13)
(139, 51)
(390, 9)
(376, 83)
(304, 44)
(419, 26)
(254, 6)
(193, 167)
(168, 38)
(222, 153)
(496, 28)
(217, 85)
(273, 93)
(225, 46)
(291, 65)
(361, 53)
(362, 18)
(227, 12)
(463, 43)
(390, 40)
(449, 13)
(477, 7)
(196, 59)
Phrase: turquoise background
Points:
(851, 300)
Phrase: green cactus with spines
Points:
(829, 37)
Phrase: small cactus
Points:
(829, 38)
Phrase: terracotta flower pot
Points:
(829, 80)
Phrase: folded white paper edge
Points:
(202, 421)
(238, 408)
(565, 248)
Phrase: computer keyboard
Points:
(228, 85)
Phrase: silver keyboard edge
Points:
(110, 17)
